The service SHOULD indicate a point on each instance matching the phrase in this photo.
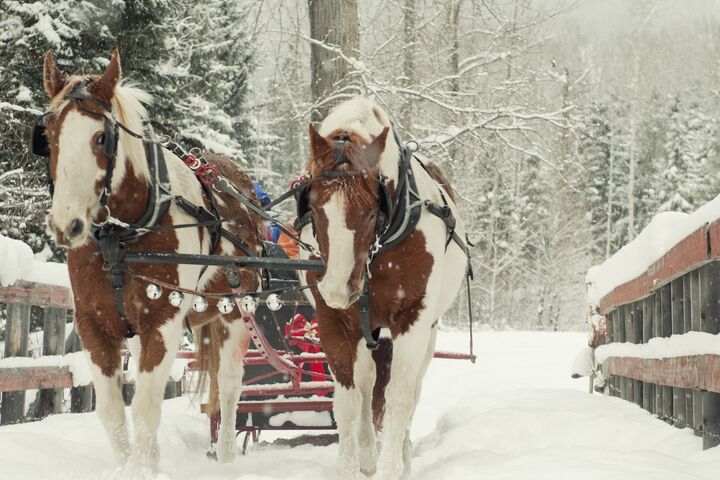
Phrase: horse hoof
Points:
(368, 472)
(212, 452)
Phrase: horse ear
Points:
(374, 151)
(53, 79)
(111, 77)
(320, 146)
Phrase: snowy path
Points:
(514, 415)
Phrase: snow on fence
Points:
(663, 323)
(24, 283)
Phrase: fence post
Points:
(677, 324)
(81, 398)
(666, 325)
(695, 317)
(710, 323)
(687, 326)
(620, 338)
(637, 338)
(17, 331)
(647, 333)
(51, 400)
(657, 332)
(629, 315)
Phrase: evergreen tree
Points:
(194, 58)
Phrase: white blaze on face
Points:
(77, 173)
(341, 254)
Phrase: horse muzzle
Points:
(70, 234)
(337, 298)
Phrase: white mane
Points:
(363, 117)
(359, 115)
(129, 107)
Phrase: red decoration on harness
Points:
(191, 161)
(205, 172)
(303, 334)
(298, 182)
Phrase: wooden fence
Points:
(680, 293)
(51, 381)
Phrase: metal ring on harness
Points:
(412, 145)
(107, 217)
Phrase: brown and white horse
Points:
(410, 285)
(76, 132)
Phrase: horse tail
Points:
(383, 360)
(208, 340)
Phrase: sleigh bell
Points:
(273, 302)
(248, 304)
(225, 305)
(153, 291)
(175, 298)
(200, 303)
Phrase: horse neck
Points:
(129, 199)
(389, 161)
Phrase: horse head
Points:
(345, 199)
(85, 148)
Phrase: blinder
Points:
(39, 143)
(303, 199)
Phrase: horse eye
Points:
(101, 139)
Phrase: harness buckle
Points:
(376, 246)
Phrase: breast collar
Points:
(159, 199)
(405, 206)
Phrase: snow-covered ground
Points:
(516, 414)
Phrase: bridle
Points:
(385, 200)
(109, 139)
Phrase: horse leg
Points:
(367, 443)
(157, 353)
(106, 371)
(400, 398)
(407, 446)
(110, 407)
(230, 376)
(347, 407)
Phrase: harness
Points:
(398, 217)
(111, 235)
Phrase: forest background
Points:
(563, 126)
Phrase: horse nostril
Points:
(76, 228)
(353, 298)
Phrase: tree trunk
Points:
(410, 39)
(335, 24)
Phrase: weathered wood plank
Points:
(647, 334)
(677, 327)
(30, 378)
(687, 326)
(686, 255)
(51, 401)
(701, 372)
(17, 330)
(695, 318)
(37, 294)
(711, 419)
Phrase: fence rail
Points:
(678, 294)
(51, 381)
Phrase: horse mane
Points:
(358, 115)
(128, 105)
